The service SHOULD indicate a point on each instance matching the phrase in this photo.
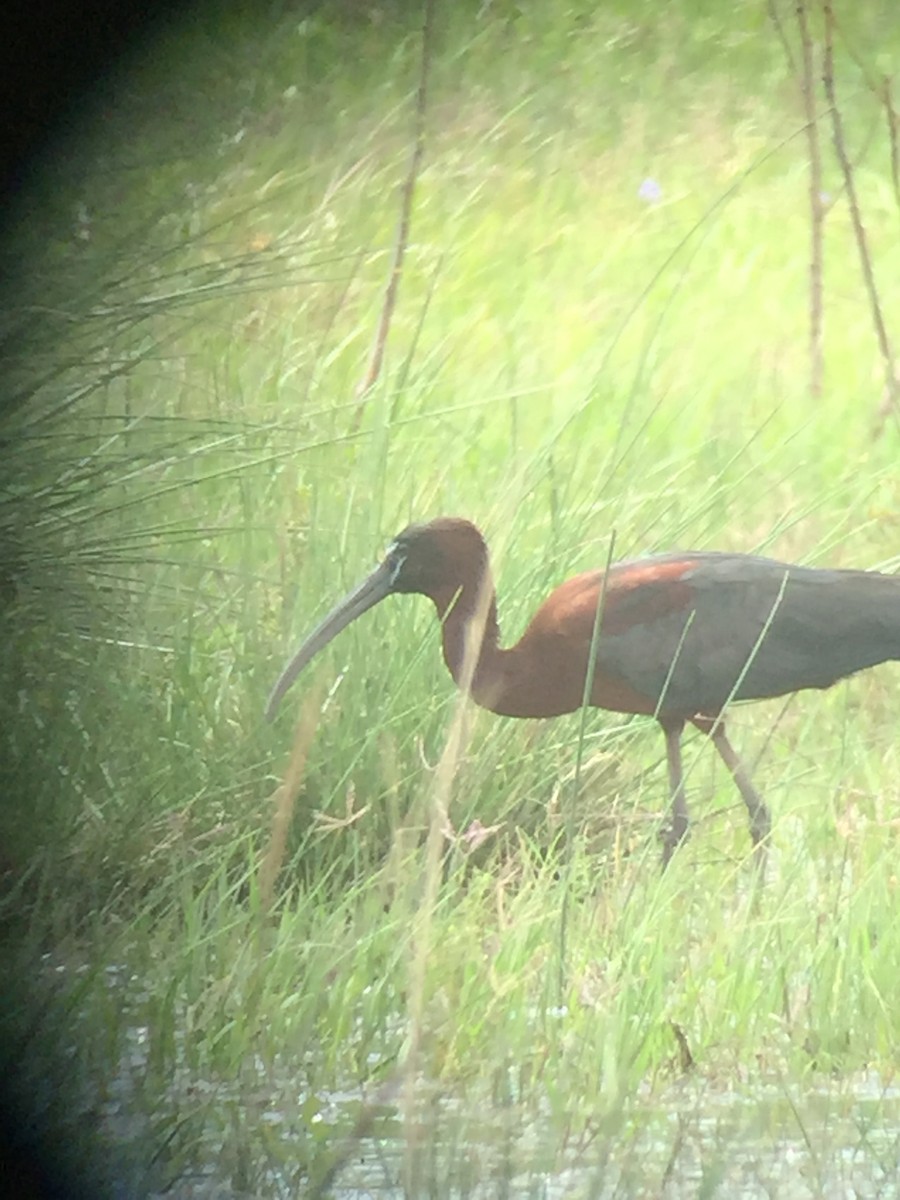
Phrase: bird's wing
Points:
(686, 634)
(698, 631)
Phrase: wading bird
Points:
(681, 636)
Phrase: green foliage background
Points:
(196, 280)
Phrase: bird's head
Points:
(436, 559)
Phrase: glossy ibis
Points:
(681, 637)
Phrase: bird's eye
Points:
(396, 559)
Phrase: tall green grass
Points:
(188, 493)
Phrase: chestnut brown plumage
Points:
(681, 637)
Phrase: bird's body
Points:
(681, 636)
(686, 634)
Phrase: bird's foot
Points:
(760, 857)
(760, 828)
(760, 825)
(671, 837)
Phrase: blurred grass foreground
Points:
(463, 974)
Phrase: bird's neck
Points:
(470, 634)
(520, 681)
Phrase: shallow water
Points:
(699, 1142)
(194, 1138)
(763, 1140)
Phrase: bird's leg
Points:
(676, 832)
(760, 821)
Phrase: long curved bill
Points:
(373, 589)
